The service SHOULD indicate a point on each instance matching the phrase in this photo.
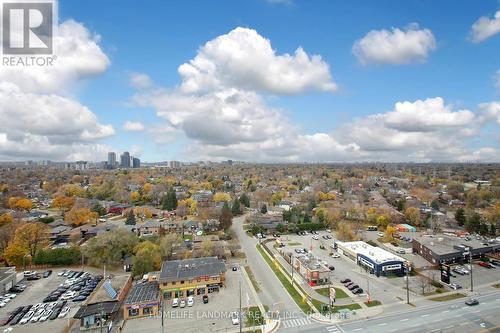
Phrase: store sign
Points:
(366, 262)
(445, 274)
(391, 267)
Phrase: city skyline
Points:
(399, 85)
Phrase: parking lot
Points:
(35, 293)
(211, 317)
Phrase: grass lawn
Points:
(353, 306)
(188, 236)
(373, 303)
(339, 293)
(284, 281)
(252, 278)
(293, 244)
(449, 297)
(254, 316)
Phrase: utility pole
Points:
(470, 264)
(240, 316)
(162, 312)
(407, 282)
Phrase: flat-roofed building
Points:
(197, 276)
(7, 278)
(374, 259)
(451, 249)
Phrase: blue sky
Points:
(155, 37)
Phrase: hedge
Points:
(58, 257)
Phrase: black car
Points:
(55, 312)
(47, 273)
(357, 291)
(331, 268)
(50, 298)
(15, 289)
(352, 287)
(33, 277)
(345, 280)
(495, 262)
(205, 299)
(471, 302)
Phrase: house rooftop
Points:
(143, 292)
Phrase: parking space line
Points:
(425, 315)
(404, 319)
(446, 311)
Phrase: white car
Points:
(27, 317)
(235, 318)
(335, 255)
(2, 304)
(175, 302)
(380, 234)
(36, 317)
(61, 273)
(11, 296)
(182, 304)
(46, 314)
(68, 295)
(64, 312)
(190, 301)
(315, 237)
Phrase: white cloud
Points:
(395, 46)
(37, 120)
(490, 112)
(485, 28)
(426, 115)
(244, 59)
(221, 117)
(133, 126)
(78, 56)
(140, 81)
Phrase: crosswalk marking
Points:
(288, 323)
(334, 329)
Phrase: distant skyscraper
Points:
(175, 164)
(136, 163)
(125, 160)
(111, 160)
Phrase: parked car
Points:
(64, 312)
(345, 280)
(455, 286)
(356, 291)
(332, 268)
(33, 277)
(335, 255)
(353, 286)
(205, 299)
(235, 318)
(495, 262)
(182, 303)
(485, 264)
(46, 314)
(47, 273)
(190, 301)
(27, 317)
(80, 298)
(175, 302)
(471, 302)
(315, 237)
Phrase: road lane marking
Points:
(446, 311)
(404, 319)
(382, 324)
(425, 315)
(451, 326)
(357, 329)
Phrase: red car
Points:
(484, 264)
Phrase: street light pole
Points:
(407, 283)
(470, 264)
(240, 317)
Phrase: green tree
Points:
(225, 218)
(147, 258)
(473, 223)
(280, 228)
(169, 201)
(236, 207)
(98, 208)
(263, 209)
(245, 200)
(460, 216)
(110, 247)
(493, 230)
(130, 218)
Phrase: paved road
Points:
(444, 317)
(273, 293)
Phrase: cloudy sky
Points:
(262, 80)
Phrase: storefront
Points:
(142, 301)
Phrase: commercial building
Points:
(197, 276)
(313, 270)
(7, 278)
(125, 160)
(142, 301)
(136, 163)
(451, 249)
(374, 259)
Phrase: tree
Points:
(460, 216)
(207, 248)
(79, 216)
(18, 203)
(493, 230)
(147, 258)
(423, 283)
(221, 196)
(345, 233)
(63, 203)
(382, 221)
(389, 234)
(98, 208)
(320, 216)
(412, 214)
(263, 209)
(169, 201)
(280, 228)
(135, 196)
(130, 218)
(225, 218)
(473, 223)
(245, 200)
(28, 240)
(167, 245)
(236, 207)
(6, 219)
(110, 247)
